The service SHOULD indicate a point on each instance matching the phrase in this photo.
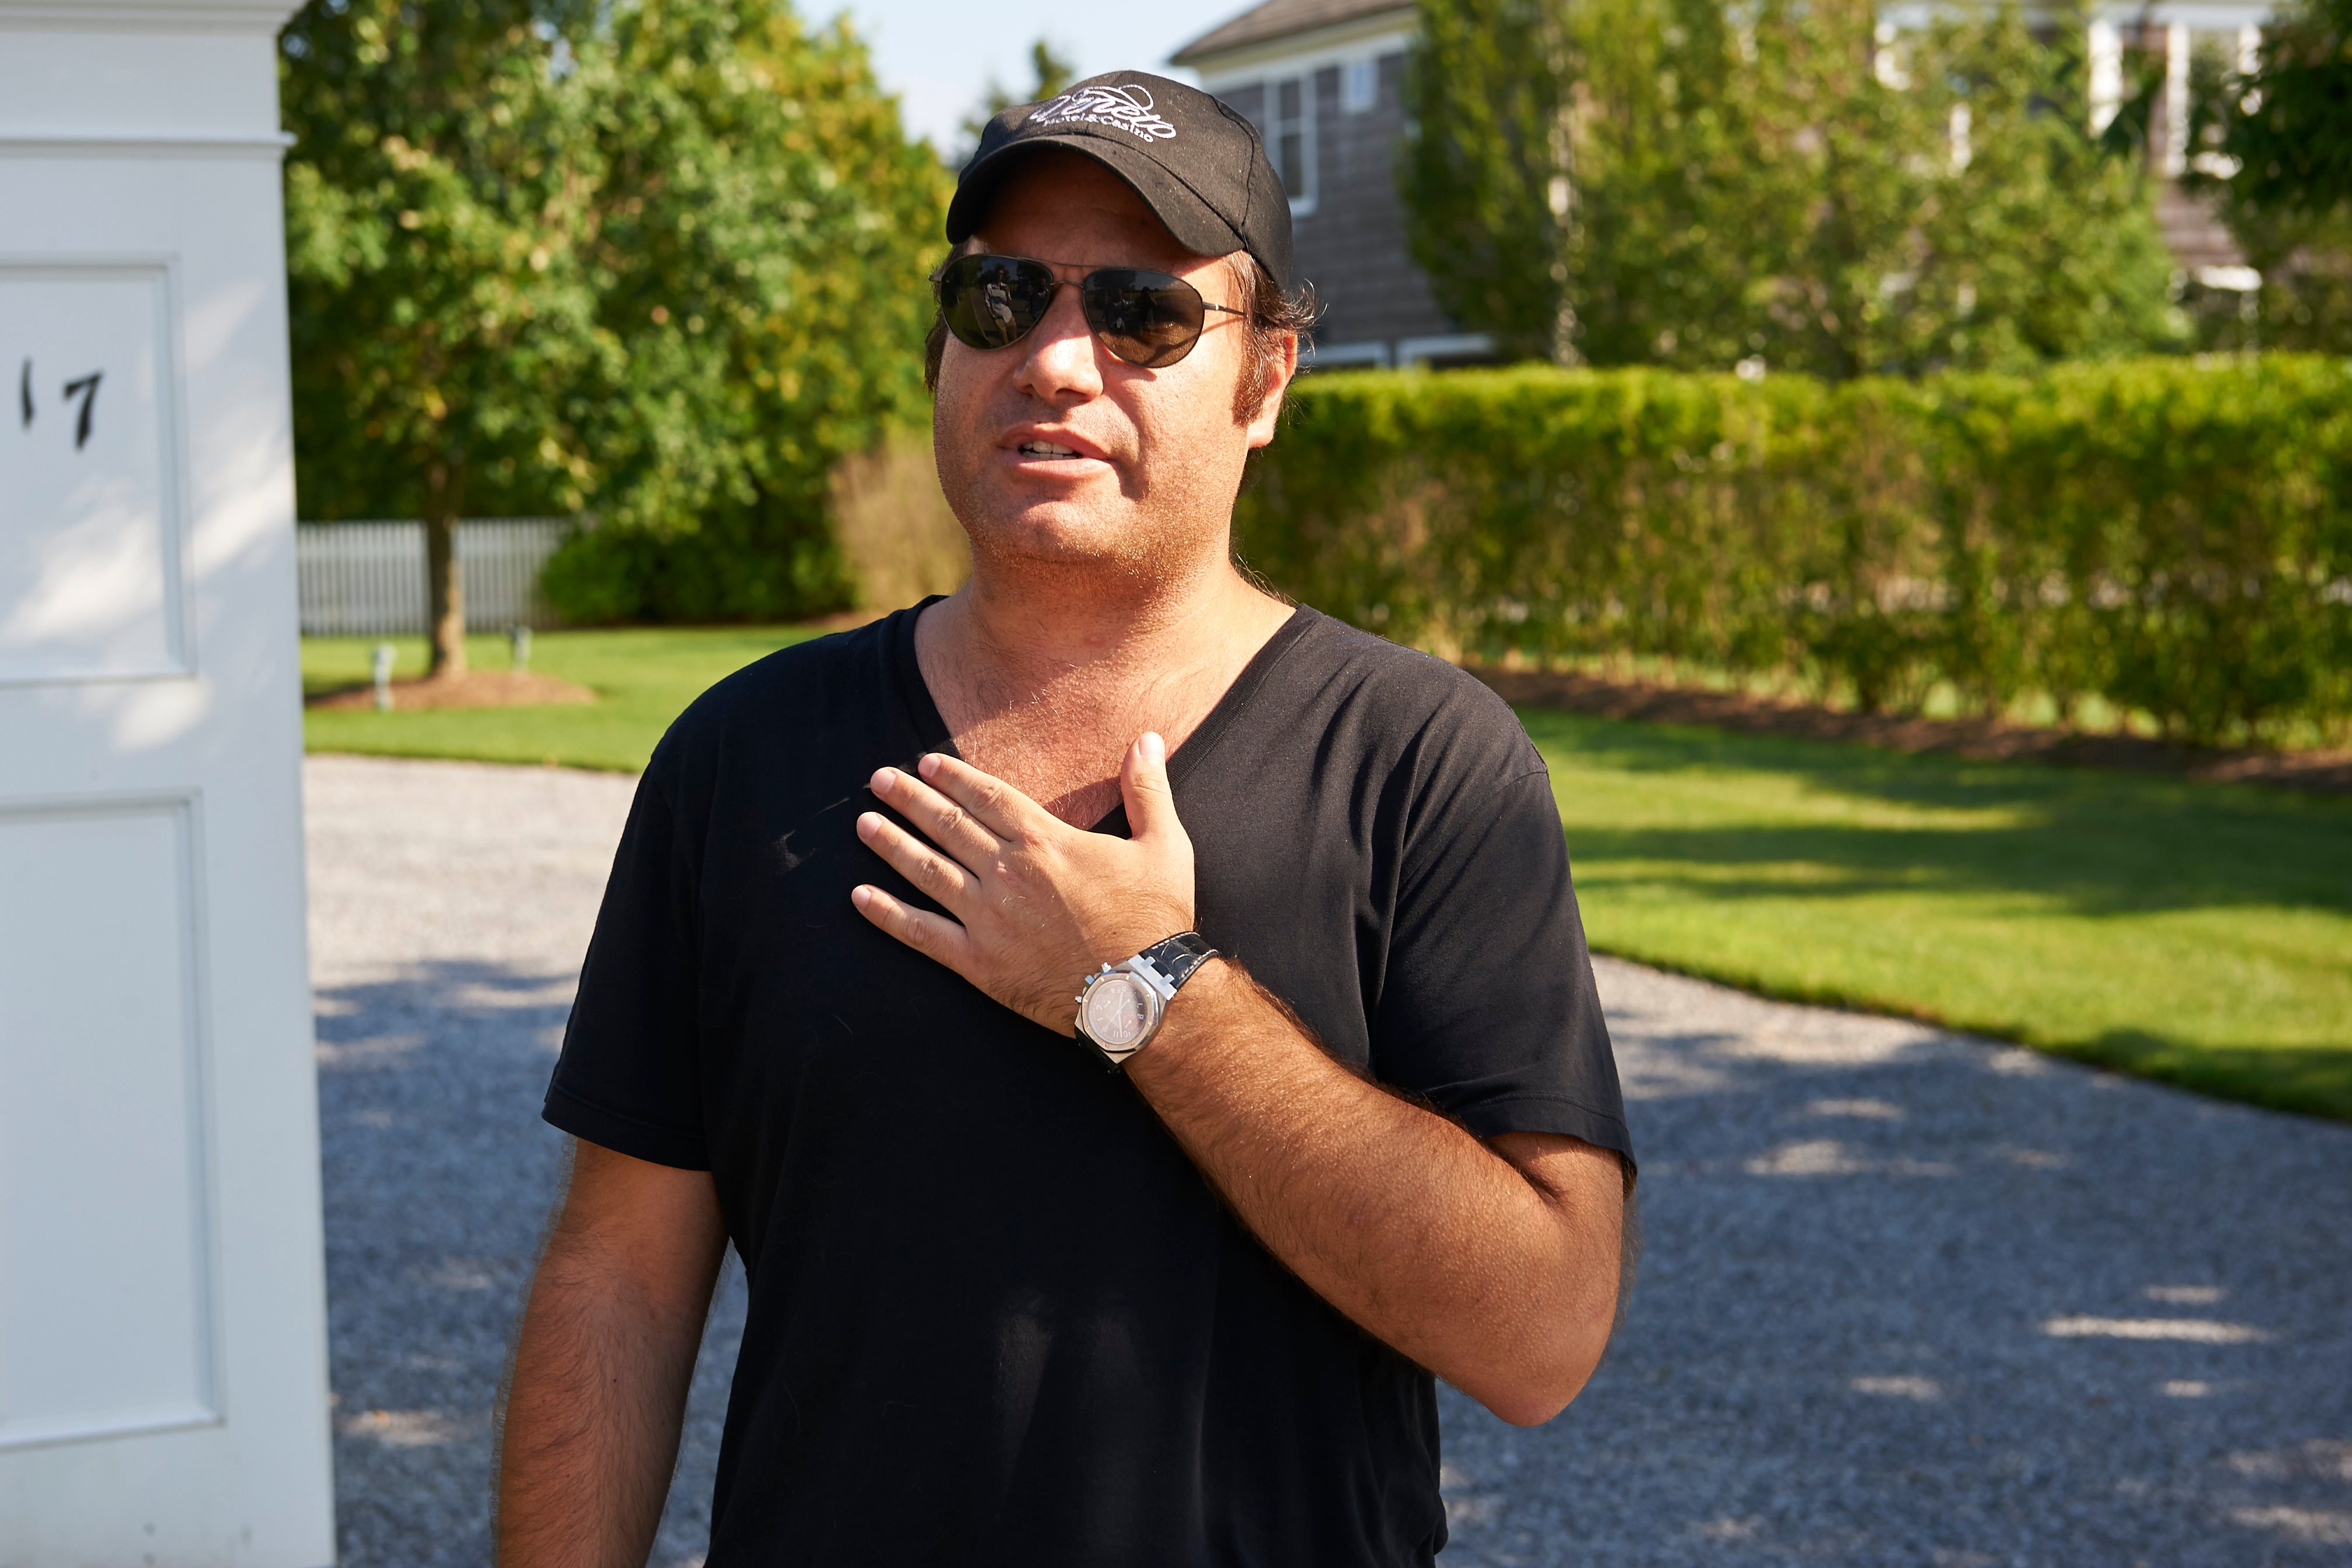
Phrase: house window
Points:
(1290, 104)
(1360, 86)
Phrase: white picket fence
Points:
(367, 578)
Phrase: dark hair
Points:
(1270, 315)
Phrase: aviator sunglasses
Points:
(1150, 319)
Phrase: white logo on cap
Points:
(1127, 109)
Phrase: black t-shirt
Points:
(996, 1315)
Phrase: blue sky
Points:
(939, 55)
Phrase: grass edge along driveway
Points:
(644, 678)
(2197, 934)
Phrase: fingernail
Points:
(861, 895)
(868, 823)
(1155, 750)
(883, 780)
(928, 764)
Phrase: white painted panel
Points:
(172, 82)
(105, 1320)
(163, 1338)
(89, 555)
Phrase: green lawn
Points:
(645, 676)
(2198, 933)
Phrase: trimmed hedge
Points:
(2174, 536)
(738, 566)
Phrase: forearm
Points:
(1398, 1217)
(591, 1422)
(589, 1427)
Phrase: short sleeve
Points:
(628, 1077)
(1488, 1008)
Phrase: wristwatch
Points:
(1120, 1007)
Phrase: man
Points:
(1007, 1304)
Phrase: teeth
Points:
(1047, 449)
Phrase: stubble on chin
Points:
(1099, 529)
(1152, 528)
(1037, 543)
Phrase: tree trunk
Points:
(445, 580)
(1559, 194)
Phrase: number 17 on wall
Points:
(85, 388)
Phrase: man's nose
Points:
(1058, 362)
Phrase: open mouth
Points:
(1046, 449)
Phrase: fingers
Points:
(944, 822)
(1143, 782)
(994, 804)
(917, 862)
(933, 936)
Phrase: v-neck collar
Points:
(931, 730)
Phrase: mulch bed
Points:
(2323, 772)
(475, 688)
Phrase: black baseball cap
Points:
(1198, 165)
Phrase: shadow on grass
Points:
(2094, 868)
(2097, 842)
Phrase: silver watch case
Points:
(1121, 1007)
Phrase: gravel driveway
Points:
(1908, 1298)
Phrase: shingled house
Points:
(1323, 80)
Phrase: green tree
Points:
(662, 259)
(1486, 168)
(1679, 183)
(1693, 145)
(766, 231)
(2023, 244)
(2293, 138)
(2285, 133)
(439, 204)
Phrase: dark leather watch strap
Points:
(1179, 956)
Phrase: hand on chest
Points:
(1062, 746)
(1069, 768)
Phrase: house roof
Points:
(1279, 19)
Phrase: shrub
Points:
(734, 567)
(2170, 535)
(896, 534)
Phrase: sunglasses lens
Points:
(990, 301)
(1148, 318)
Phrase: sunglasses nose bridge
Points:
(1065, 315)
(1058, 352)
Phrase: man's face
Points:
(1054, 449)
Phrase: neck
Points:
(1032, 629)
(1045, 674)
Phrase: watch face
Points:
(1118, 1012)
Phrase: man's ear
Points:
(1280, 367)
